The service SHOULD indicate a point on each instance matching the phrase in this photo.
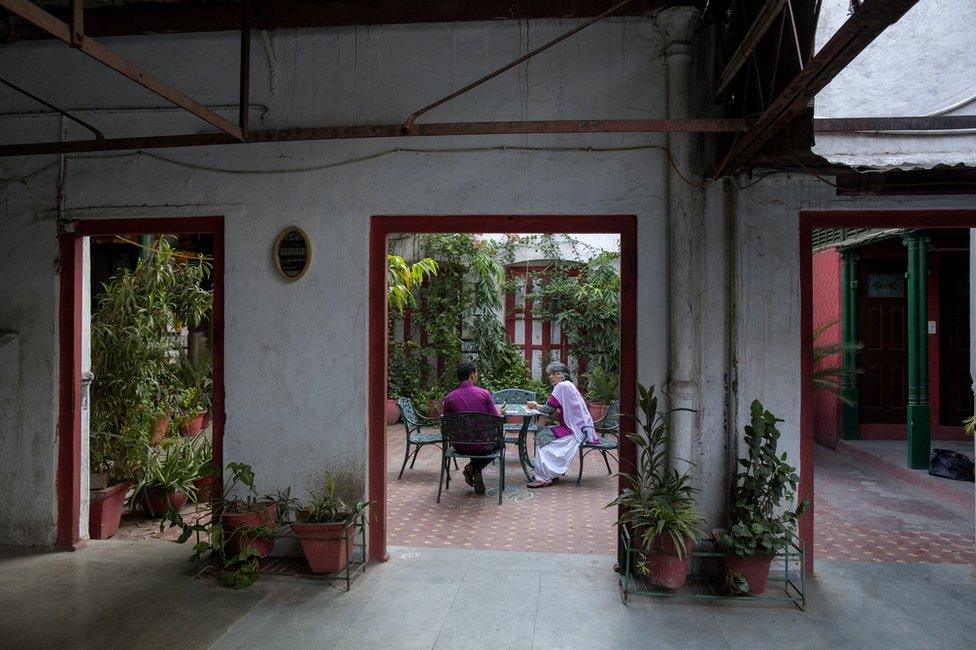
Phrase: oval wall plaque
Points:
(292, 253)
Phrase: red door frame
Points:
(809, 220)
(69, 349)
(382, 226)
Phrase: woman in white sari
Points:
(556, 445)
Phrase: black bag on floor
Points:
(950, 464)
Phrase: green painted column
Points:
(145, 241)
(850, 422)
(918, 409)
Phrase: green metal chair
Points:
(413, 423)
(515, 396)
(608, 425)
(471, 428)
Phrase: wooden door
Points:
(956, 395)
(882, 324)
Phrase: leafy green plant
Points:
(326, 508)
(603, 384)
(238, 570)
(193, 381)
(830, 375)
(969, 425)
(659, 501)
(759, 525)
(403, 365)
(586, 306)
(133, 352)
(402, 278)
(171, 468)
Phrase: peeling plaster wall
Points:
(935, 42)
(766, 291)
(296, 353)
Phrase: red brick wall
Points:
(826, 309)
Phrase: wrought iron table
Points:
(529, 418)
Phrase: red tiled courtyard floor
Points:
(563, 518)
(863, 514)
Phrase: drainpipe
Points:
(678, 25)
(850, 423)
(918, 410)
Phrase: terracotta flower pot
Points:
(433, 409)
(98, 481)
(192, 428)
(206, 420)
(597, 408)
(238, 540)
(204, 488)
(755, 570)
(324, 546)
(392, 412)
(105, 510)
(158, 501)
(664, 567)
(160, 431)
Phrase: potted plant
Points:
(238, 531)
(201, 457)
(194, 392)
(602, 388)
(320, 527)
(113, 459)
(403, 375)
(759, 526)
(248, 522)
(166, 477)
(659, 504)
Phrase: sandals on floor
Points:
(538, 484)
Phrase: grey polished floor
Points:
(142, 594)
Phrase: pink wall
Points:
(826, 309)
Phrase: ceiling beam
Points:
(37, 16)
(139, 18)
(929, 123)
(764, 20)
(860, 30)
(381, 131)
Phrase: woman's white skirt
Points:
(554, 459)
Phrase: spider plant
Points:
(659, 501)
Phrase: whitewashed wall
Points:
(921, 65)
(296, 353)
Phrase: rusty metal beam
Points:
(382, 131)
(764, 20)
(860, 30)
(99, 136)
(139, 17)
(31, 12)
(932, 123)
(505, 68)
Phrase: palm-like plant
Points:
(659, 502)
(402, 277)
(828, 374)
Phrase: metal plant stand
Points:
(787, 584)
(356, 559)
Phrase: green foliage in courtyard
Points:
(760, 525)
(135, 353)
(461, 309)
(659, 500)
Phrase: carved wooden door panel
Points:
(883, 329)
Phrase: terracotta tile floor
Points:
(863, 514)
(563, 518)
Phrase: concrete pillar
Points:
(678, 25)
(850, 424)
(918, 410)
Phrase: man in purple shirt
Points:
(468, 397)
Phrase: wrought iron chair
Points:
(413, 423)
(470, 428)
(608, 425)
(515, 396)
